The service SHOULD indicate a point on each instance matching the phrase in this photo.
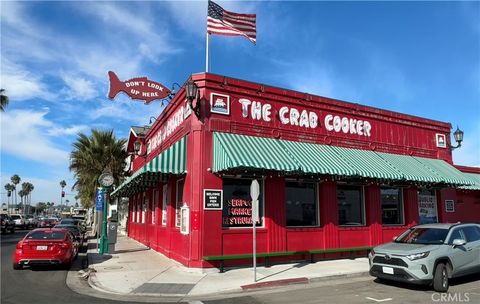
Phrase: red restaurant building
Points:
(333, 175)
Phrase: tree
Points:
(41, 206)
(15, 179)
(91, 156)
(3, 100)
(21, 193)
(27, 189)
(9, 188)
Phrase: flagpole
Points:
(206, 57)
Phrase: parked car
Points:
(8, 224)
(429, 254)
(19, 220)
(47, 222)
(75, 222)
(74, 230)
(45, 246)
(31, 221)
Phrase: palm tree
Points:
(15, 179)
(3, 100)
(21, 193)
(91, 156)
(27, 188)
(9, 189)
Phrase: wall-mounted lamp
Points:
(137, 146)
(458, 135)
(191, 91)
(152, 119)
(173, 92)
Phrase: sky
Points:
(417, 58)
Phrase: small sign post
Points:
(254, 193)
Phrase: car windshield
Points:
(46, 235)
(15, 217)
(423, 236)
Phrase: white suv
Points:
(19, 220)
(429, 254)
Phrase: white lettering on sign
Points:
(257, 110)
(347, 125)
(303, 118)
(172, 124)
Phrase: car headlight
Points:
(416, 256)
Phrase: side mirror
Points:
(394, 238)
(458, 242)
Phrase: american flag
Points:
(222, 22)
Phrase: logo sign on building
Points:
(449, 206)
(220, 103)
(139, 88)
(99, 199)
(212, 199)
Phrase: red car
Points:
(46, 246)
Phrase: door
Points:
(462, 257)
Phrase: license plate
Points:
(42, 247)
(388, 270)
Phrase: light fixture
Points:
(191, 93)
(458, 135)
(152, 119)
(173, 92)
(137, 146)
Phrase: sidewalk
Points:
(137, 270)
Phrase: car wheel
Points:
(440, 278)
(17, 266)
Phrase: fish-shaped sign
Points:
(137, 88)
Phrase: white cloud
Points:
(29, 140)
(22, 84)
(78, 88)
(60, 131)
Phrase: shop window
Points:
(237, 203)
(301, 204)
(164, 204)
(392, 206)
(154, 205)
(350, 205)
(179, 202)
(427, 206)
(144, 210)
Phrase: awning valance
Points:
(476, 181)
(233, 151)
(170, 161)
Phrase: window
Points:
(472, 233)
(154, 205)
(301, 204)
(392, 206)
(144, 210)
(427, 206)
(458, 233)
(237, 203)
(350, 205)
(164, 205)
(179, 202)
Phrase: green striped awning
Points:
(369, 164)
(241, 151)
(320, 159)
(410, 168)
(170, 161)
(233, 151)
(475, 178)
(446, 172)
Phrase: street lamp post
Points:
(106, 181)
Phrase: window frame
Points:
(178, 212)
(317, 203)
(363, 208)
(402, 205)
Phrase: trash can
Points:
(112, 236)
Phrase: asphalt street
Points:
(37, 285)
(48, 285)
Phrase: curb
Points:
(276, 283)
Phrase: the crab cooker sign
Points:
(304, 118)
